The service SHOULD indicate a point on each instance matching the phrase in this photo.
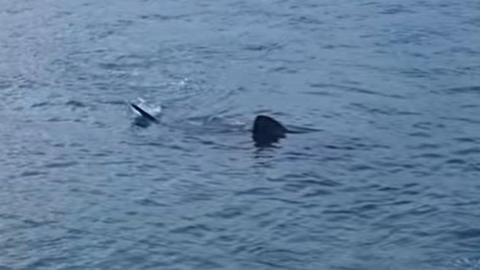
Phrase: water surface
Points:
(391, 180)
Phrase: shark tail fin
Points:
(144, 113)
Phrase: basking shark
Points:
(265, 131)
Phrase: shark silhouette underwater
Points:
(265, 132)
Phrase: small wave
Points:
(468, 151)
(61, 164)
(466, 263)
(32, 173)
(385, 110)
(75, 104)
(428, 156)
(395, 9)
(263, 47)
(462, 119)
(41, 104)
(467, 139)
(197, 230)
(316, 193)
(420, 134)
(305, 20)
(5, 85)
(353, 89)
(462, 90)
(456, 161)
(164, 17)
(467, 234)
(227, 213)
(149, 202)
(255, 191)
(361, 167)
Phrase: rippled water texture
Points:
(389, 181)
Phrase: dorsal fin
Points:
(267, 130)
(144, 113)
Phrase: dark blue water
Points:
(390, 181)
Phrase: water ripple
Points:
(388, 179)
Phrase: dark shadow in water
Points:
(266, 131)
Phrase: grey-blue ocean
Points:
(389, 179)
